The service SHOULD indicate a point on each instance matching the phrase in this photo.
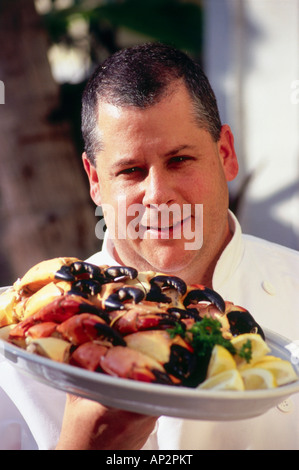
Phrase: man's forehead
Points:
(117, 104)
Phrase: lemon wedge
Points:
(221, 360)
(259, 347)
(282, 370)
(227, 380)
(258, 378)
(242, 365)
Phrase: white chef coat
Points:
(253, 273)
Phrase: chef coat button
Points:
(286, 406)
(268, 287)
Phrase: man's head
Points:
(140, 77)
(152, 147)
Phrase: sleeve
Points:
(31, 412)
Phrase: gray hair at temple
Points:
(141, 76)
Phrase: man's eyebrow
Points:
(124, 162)
(178, 149)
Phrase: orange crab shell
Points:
(122, 361)
(88, 355)
(57, 311)
(143, 316)
(80, 328)
(41, 274)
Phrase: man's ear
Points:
(93, 179)
(227, 153)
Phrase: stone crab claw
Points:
(41, 274)
(86, 287)
(67, 340)
(29, 305)
(199, 293)
(88, 355)
(125, 362)
(140, 317)
(234, 320)
(55, 312)
(241, 321)
(116, 300)
(79, 270)
(86, 327)
(166, 289)
(120, 273)
(8, 301)
(173, 353)
(185, 316)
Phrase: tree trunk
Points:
(45, 208)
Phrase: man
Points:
(154, 141)
(153, 136)
(152, 145)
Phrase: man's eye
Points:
(130, 171)
(179, 159)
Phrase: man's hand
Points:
(88, 425)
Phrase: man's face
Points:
(155, 159)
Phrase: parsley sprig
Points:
(246, 351)
(204, 335)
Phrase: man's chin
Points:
(167, 260)
(168, 256)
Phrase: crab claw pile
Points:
(115, 320)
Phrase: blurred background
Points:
(248, 48)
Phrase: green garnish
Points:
(246, 351)
(203, 336)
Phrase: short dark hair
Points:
(140, 76)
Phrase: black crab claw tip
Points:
(94, 310)
(243, 322)
(182, 363)
(134, 293)
(86, 286)
(173, 282)
(79, 270)
(155, 294)
(65, 274)
(197, 295)
(117, 273)
(111, 334)
(113, 303)
(183, 313)
(115, 300)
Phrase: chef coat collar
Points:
(231, 255)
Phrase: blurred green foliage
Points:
(176, 22)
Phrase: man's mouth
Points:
(171, 231)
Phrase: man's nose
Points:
(158, 189)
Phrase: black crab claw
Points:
(182, 364)
(115, 301)
(202, 293)
(181, 313)
(80, 270)
(120, 273)
(169, 320)
(110, 333)
(241, 321)
(160, 282)
(86, 287)
(162, 377)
